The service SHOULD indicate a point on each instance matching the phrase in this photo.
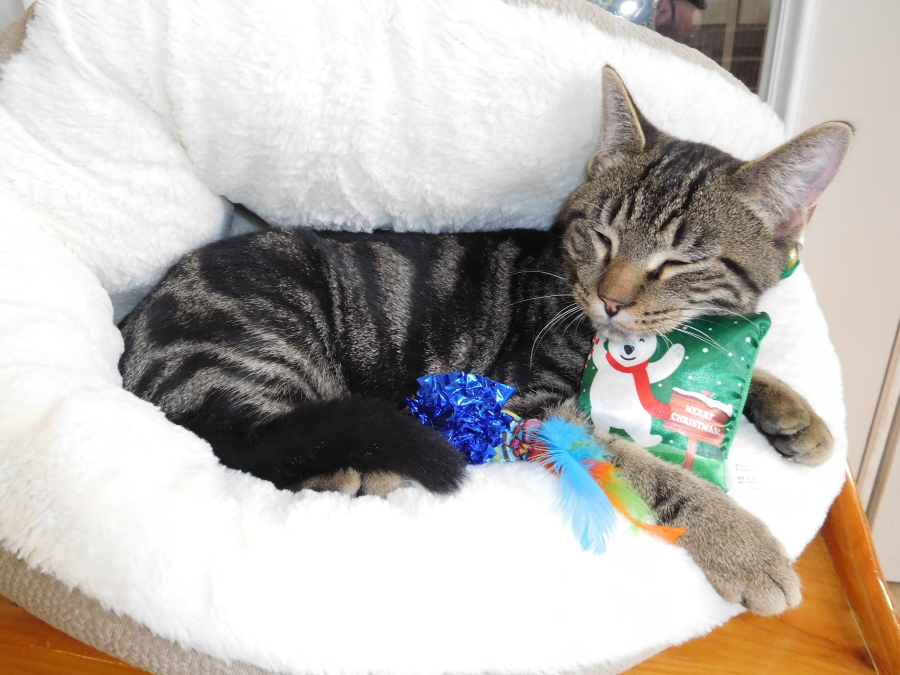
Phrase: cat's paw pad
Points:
(347, 481)
(381, 483)
(792, 427)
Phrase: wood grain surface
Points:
(850, 545)
(818, 637)
(28, 646)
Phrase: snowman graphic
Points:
(621, 396)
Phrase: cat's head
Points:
(665, 230)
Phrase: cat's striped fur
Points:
(292, 352)
(249, 331)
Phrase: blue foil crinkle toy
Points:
(467, 409)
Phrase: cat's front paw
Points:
(742, 560)
(734, 548)
(788, 421)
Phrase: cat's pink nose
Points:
(612, 307)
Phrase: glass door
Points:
(731, 32)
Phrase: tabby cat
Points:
(292, 351)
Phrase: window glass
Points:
(731, 32)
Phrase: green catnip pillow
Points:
(681, 395)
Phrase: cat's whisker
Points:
(576, 318)
(549, 274)
(569, 313)
(698, 337)
(707, 338)
(686, 330)
(716, 323)
(542, 297)
(728, 311)
(556, 318)
(583, 317)
(559, 317)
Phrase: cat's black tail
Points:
(319, 438)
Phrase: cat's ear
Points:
(785, 184)
(620, 124)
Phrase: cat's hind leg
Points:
(347, 481)
(351, 482)
(352, 444)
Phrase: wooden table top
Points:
(820, 636)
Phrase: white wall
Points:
(853, 244)
(10, 10)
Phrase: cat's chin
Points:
(614, 329)
(607, 330)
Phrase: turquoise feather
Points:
(571, 451)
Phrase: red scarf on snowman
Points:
(657, 409)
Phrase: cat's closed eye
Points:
(668, 265)
(603, 239)
(603, 245)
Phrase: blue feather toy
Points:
(468, 410)
(569, 450)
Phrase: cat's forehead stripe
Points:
(678, 236)
(614, 209)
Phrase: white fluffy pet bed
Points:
(125, 127)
